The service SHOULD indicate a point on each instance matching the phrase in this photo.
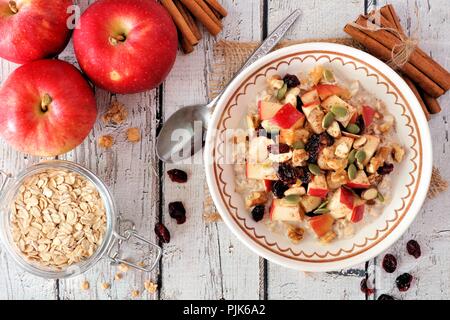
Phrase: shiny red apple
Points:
(126, 46)
(47, 108)
(33, 29)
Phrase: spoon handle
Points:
(268, 44)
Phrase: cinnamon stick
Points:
(432, 103)
(180, 22)
(202, 16)
(419, 61)
(417, 94)
(189, 19)
(186, 46)
(388, 12)
(209, 12)
(380, 51)
(218, 7)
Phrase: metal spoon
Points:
(183, 134)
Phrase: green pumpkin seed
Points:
(353, 128)
(360, 156)
(352, 171)
(314, 169)
(351, 156)
(323, 205)
(298, 145)
(328, 75)
(328, 120)
(292, 199)
(380, 197)
(339, 111)
(282, 92)
(321, 211)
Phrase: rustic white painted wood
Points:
(205, 260)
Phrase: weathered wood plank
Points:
(205, 261)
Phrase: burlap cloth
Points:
(229, 56)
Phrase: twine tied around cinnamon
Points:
(402, 51)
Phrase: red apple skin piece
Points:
(267, 110)
(309, 97)
(354, 118)
(141, 60)
(368, 114)
(347, 198)
(322, 224)
(66, 123)
(268, 185)
(318, 187)
(38, 30)
(358, 213)
(328, 90)
(287, 117)
(360, 182)
(357, 185)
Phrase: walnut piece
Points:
(256, 198)
(328, 237)
(116, 113)
(106, 141)
(295, 234)
(133, 135)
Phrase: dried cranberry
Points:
(304, 175)
(162, 233)
(360, 123)
(389, 263)
(299, 104)
(278, 189)
(291, 81)
(258, 213)
(365, 288)
(385, 297)
(313, 148)
(287, 173)
(403, 282)
(326, 140)
(278, 148)
(177, 175)
(413, 248)
(386, 169)
(177, 212)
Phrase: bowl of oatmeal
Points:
(318, 157)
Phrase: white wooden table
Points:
(205, 261)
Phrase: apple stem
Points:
(46, 100)
(114, 40)
(13, 6)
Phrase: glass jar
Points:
(9, 188)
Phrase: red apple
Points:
(47, 108)
(32, 30)
(318, 187)
(360, 182)
(281, 212)
(267, 109)
(358, 211)
(288, 117)
(310, 97)
(368, 114)
(327, 90)
(341, 204)
(322, 224)
(126, 46)
(268, 185)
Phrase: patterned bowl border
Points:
(390, 224)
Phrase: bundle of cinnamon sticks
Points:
(427, 78)
(186, 13)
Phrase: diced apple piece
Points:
(260, 171)
(290, 136)
(310, 96)
(341, 204)
(322, 224)
(281, 212)
(268, 185)
(318, 187)
(370, 147)
(327, 90)
(335, 180)
(314, 115)
(360, 182)
(310, 203)
(358, 211)
(368, 114)
(288, 117)
(267, 109)
(336, 101)
(343, 146)
(257, 150)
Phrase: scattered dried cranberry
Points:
(326, 140)
(304, 175)
(278, 148)
(365, 288)
(403, 282)
(177, 212)
(287, 173)
(299, 104)
(258, 213)
(177, 175)
(386, 169)
(413, 248)
(162, 233)
(291, 81)
(278, 189)
(389, 263)
(313, 148)
(385, 297)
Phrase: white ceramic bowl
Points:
(410, 178)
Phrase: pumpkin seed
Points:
(314, 169)
(292, 199)
(352, 171)
(380, 197)
(351, 156)
(369, 194)
(328, 75)
(328, 120)
(353, 128)
(339, 111)
(321, 210)
(323, 205)
(282, 92)
(360, 156)
(298, 145)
